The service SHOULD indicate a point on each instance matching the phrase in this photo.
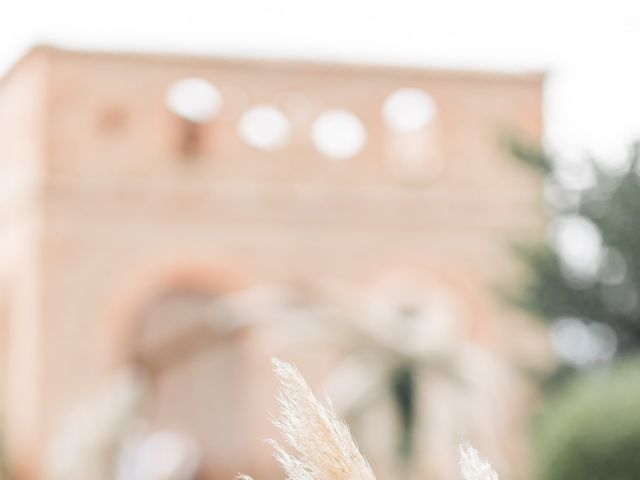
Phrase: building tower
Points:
(132, 181)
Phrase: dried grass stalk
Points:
(321, 445)
(472, 467)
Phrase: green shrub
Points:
(590, 428)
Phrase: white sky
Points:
(590, 47)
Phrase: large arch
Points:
(165, 324)
(144, 282)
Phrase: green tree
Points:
(585, 278)
(589, 429)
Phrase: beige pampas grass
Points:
(472, 467)
(322, 446)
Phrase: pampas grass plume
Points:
(472, 467)
(320, 445)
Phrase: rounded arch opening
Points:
(194, 357)
(193, 360)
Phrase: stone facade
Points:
(109, 199)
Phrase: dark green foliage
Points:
(529, 154)
(590, 428)
(404, 392)
(611, 202)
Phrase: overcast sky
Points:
(591, 49)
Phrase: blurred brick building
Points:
(124, 186)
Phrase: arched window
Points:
(339, 134)
(195, 101)
(411, 116)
